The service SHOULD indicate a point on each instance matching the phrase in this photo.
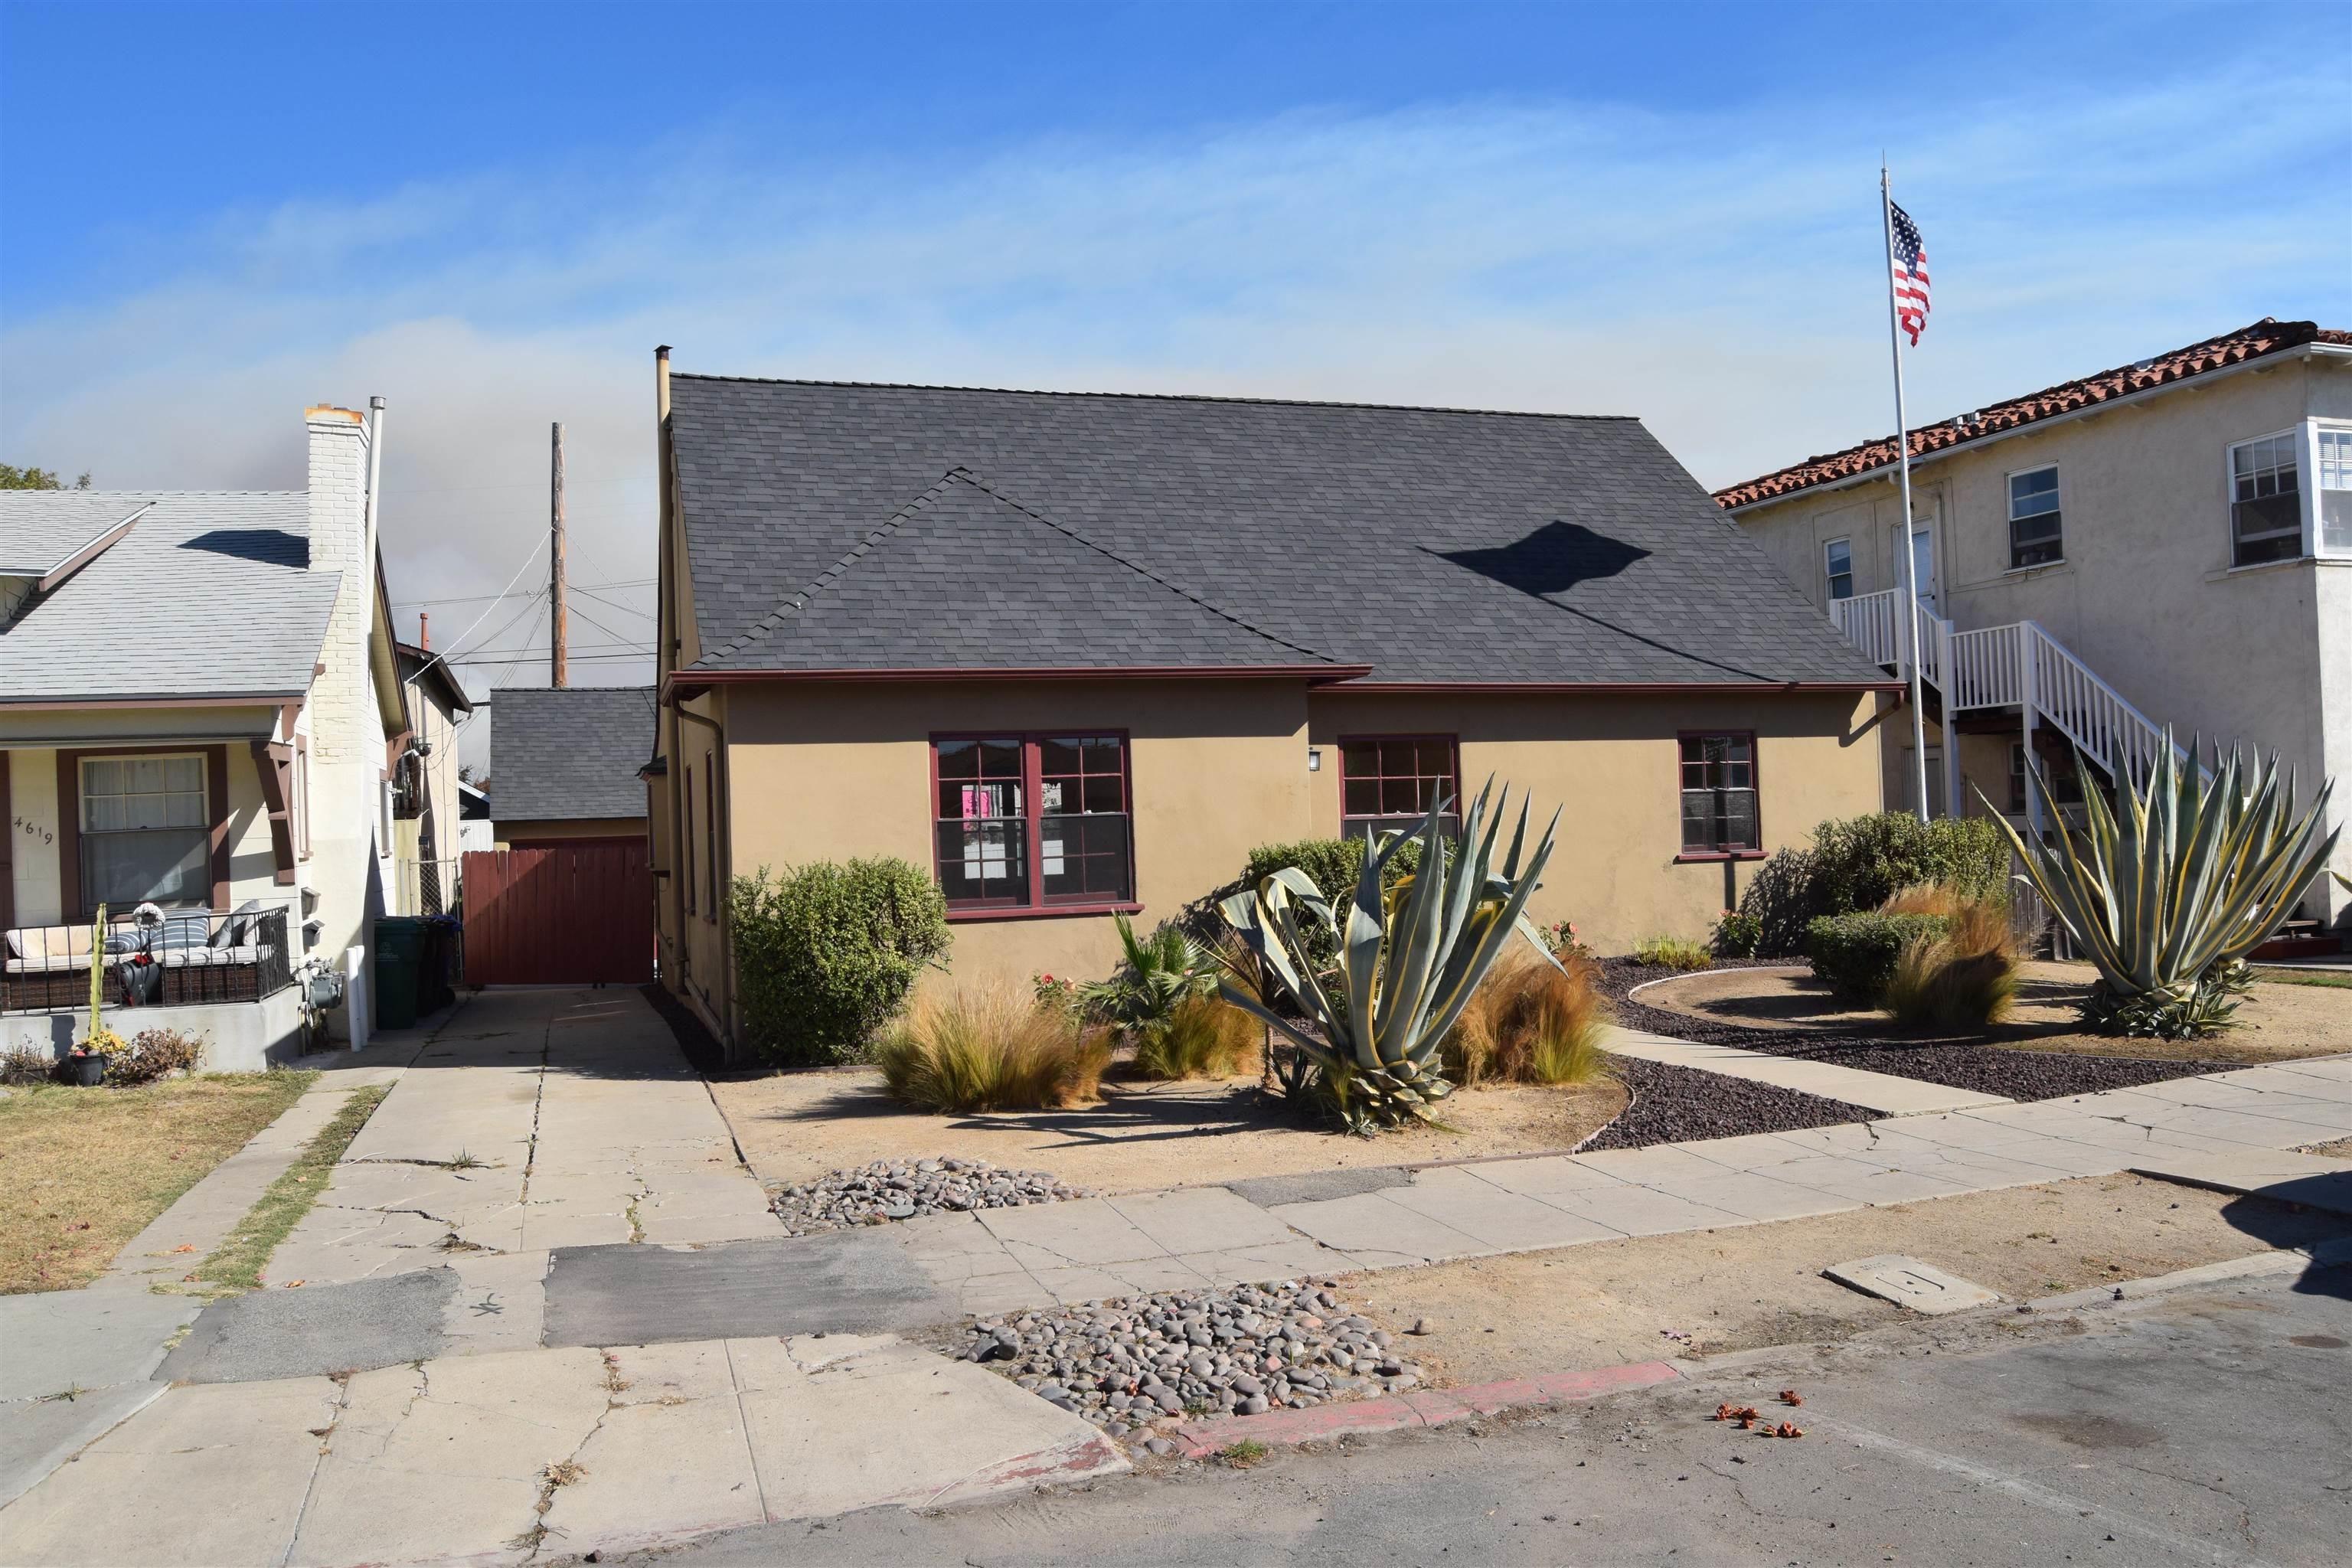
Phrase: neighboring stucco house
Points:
(1079, 654)
(199, 709)
(426, 807)
(2166, 542)
(565, 760)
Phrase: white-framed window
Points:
(146, 831)
(2333, 443)
(2033, 534)
(2266, 500)
(1837, 567)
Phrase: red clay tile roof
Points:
(2264, 337)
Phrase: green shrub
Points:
(991, 1050)
(1859, 862)
(1737, 935)
(826, 954)
(1856, 954)
(1672, 952)
(1200, 1038)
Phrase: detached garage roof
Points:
(570, 751)
(846, 528)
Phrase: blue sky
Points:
(490, 212)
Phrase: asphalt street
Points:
(2207, 1426)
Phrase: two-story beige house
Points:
(2166, 542)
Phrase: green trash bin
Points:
(395, 992)
(401, 936)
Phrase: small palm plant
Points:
(2167, 896)
(1408, 960)
(1162, 971)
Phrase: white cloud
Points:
(1718, 276)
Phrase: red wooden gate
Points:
(564, 914)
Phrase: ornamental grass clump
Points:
(2168, 894)
(985, 1049)
(1409, 959)
(1962, 977)
(1530, 1022)
(1673, 953)
(1200, 1037)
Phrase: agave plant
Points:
(1408, 960)
(1160, 972)
(2167, 896)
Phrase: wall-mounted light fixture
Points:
(1314, 759)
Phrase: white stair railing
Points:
(2014, 666)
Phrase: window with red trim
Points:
(1032, 821)
(1718, 787)
(1387, 781)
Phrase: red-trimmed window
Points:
(1032, 821)
(1718, 780)
(1387, 781)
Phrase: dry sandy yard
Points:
(1143, 1136)
(2277, 1022)
(1611, 1302)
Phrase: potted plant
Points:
(92, 1050)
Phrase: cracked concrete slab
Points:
(59, 1340)
(499, 1302)
(269, 1334)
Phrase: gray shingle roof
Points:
(41, 529)
(211, 594)
(954, 577)
(569, 751)
(1433, 545)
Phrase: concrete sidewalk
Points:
(542, 1118)
(493, 1457)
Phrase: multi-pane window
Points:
(1837, 565)
(2265, 501)
(1032, 821)
(2065, 789)
(146, 835)
(1390, 782)
(2335, 491)
(1718, 780)
(2034, 538)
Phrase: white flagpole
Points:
(1910, 557)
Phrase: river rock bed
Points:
(1239, 1349)
(890, 1190)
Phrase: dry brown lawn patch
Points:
(87, 1169)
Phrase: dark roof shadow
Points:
(269, 546)
(1560, 556)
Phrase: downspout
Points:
(376, 471)
(665, 658)
(721, 874)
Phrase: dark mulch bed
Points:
(1955, 1063)
(1673, 1104)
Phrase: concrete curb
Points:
(1424, 1407)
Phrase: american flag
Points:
(1910, 276)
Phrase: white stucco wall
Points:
(2145, 595)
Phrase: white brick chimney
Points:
(342, 541)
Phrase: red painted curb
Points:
(1423, 1407)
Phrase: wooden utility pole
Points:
(556, 628)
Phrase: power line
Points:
(477, 598)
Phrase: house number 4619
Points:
(32, 829)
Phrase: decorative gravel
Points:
(1673, 1104)
(890, 1190)
(1240, 1350)
(1988, 1070)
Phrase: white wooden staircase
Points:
(2018, 666)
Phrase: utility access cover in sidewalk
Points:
(1908, 1282)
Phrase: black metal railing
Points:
(168, 959)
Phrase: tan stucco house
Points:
(1079, 654)
(201, 710)
(2165, 542)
